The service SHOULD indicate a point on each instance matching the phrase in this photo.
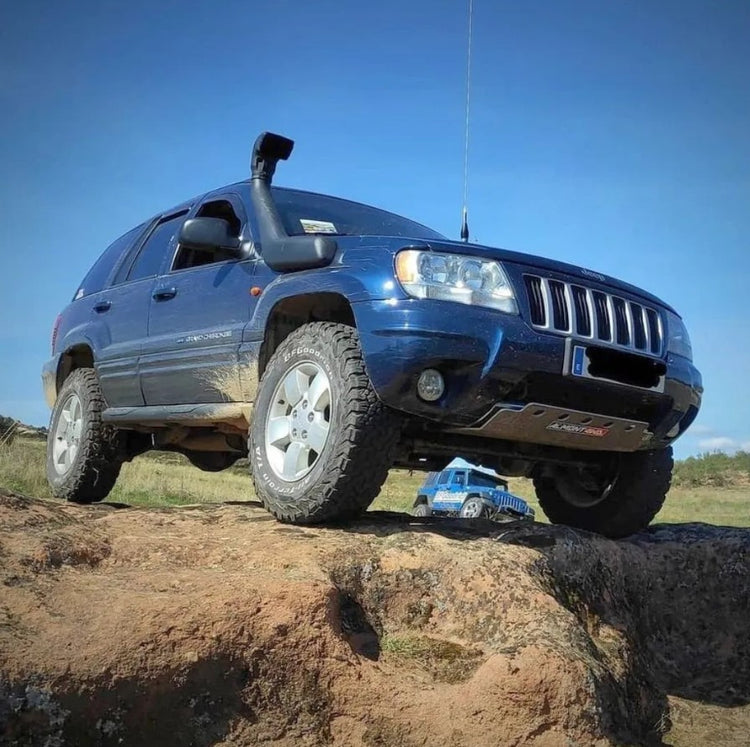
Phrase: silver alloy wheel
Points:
(473, 509)
(67, 434)
(298, 421)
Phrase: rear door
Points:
(123, 310)
(199, 309)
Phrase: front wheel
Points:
(616, 500)
(473, 508)
(321, 442)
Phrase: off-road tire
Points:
(362, 440)
(471, 501)
(422, 509)
(95, 468)
(638, 492)
(212, 461)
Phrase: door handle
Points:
(164, 294)
(102, 306)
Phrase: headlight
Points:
(455, 277)
(678, 340)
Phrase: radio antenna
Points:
(465, 211)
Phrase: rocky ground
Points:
(217, 625)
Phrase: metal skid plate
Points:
(558, 426)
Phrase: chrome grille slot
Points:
(639, 331)
(560, 316)
(574, 309)
(622, 328)
(536, 300)
(654, 331)
(582, 315)
(602, 316)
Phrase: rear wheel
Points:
(619, 499)
(84, 455)
(321, 442)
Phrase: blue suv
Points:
(329, 341)
(470, 494)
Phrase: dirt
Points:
(216, 625)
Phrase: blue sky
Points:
(611, 135)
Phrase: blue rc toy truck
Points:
(470, 494)
(329, 341)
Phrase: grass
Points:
(714, 488)
(446, 661)
(154, 479)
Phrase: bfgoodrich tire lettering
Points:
(350, 469)
(96, 459)
(634, 498)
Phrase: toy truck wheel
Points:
(473, 508)
(422, 509)
(321, 442)
(616, 503)
(83, 454)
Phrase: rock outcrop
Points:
(218, 625)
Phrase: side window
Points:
(149, 259)
(99, 274)
(458, 478)
(444, 477)
(186, 257)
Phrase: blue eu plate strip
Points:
(579, 354)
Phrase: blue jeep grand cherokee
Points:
(331, 341)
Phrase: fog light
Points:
(430, 385)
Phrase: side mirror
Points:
(209, 234)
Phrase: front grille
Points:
(573, 309)
(511, 502)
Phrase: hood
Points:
(532, 262)
(526, 263)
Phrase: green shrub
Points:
(716, 469)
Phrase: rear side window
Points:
(99, 274)
(150, 257)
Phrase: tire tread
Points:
(99, 459)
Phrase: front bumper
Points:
(491, 360)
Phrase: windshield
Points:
(487, 481)
(307, 212)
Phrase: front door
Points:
(199, 310)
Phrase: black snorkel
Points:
(280, 251)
